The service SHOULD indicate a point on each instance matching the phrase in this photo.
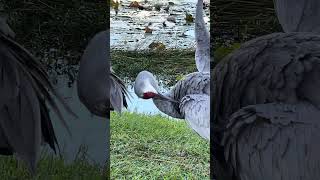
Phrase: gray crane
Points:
(266, 105)
(25, 97)
(298, 15)
(97, 90)
(189, 98)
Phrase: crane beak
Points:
(162, 97)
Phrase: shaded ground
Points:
(154, 147)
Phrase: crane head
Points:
(146, 87)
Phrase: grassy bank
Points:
(172, 64)
(48, 168)
(155, 147)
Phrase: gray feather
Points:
(97, 86)
(93, 77)
(24, 91)
(5, 28)
(194, 83)
(118, 93)
(298, 15)
(275, 143)
(21, 124)
(196, 111)
(264, 98)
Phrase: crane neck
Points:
(169, 108)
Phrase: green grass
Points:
(155, 147)
(49, 168)
(243, 20)
(170, 64)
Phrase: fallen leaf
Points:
(189, 18)
(134, 4)
(147, 30)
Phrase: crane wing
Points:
(196, 110)
(280, 67)
(118, 93)
(193, 83)
(274, 141)
(24, 91)
(20, 122)
(298, 16)
(93, 77)
(98, 90)
(202, 55)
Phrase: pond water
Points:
(128, 26)
(89, 132)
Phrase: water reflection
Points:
(89, 132)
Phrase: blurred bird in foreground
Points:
(26, 95)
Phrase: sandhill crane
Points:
(99, 89)
(189, 98)
(265, 104)
(298, 16)
(25, 91)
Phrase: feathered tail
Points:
(25, 92)
(118, 93)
